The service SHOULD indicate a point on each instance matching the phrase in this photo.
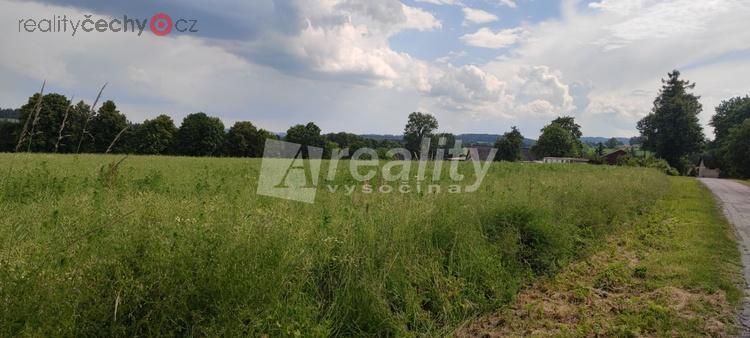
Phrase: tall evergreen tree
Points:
(509, 146)
(672, 130)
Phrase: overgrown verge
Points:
(675, 272)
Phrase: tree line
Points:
(671, 131)
(52, 123)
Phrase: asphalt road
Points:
(735, 202)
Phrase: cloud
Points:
(440, 2)
(509, 3)
(283, 62)
(619, 50)
(656, 20)
(467, 85)
(478, 16)
(338, 62)
(486, 38)
(542, 92)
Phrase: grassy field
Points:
(184, 246)
(674, 273)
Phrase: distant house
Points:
(612, 157)
(707, 167)
(564, 160)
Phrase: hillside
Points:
(466, 138)
(12, 114)
(490, 138)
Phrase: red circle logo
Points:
(161, 24)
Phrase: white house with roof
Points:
(564, 160)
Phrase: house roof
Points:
(572, 159)
(709, 161)
(616, 152)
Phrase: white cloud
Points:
(440, 2)
(478, 16)
(467, 85)
(419, 19)
(321, 60)
(621, 50)
(344, 41)
(509, 3)
(542, 92)
(656, 20)
(486, 38)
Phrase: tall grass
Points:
(184, 246)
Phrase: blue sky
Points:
(433, 45)
(363, 65)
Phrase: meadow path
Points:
(735, 202)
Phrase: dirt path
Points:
(735, 201)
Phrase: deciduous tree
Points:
(737, 150)
(245, 140)
(44, 133)
(156, 136)
(200, 135)
(106, 125)
(419, 127)
(555, 141)
(613, 143)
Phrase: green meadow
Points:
(178, 246)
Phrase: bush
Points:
(648, 162)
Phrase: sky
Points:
(479, 66)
